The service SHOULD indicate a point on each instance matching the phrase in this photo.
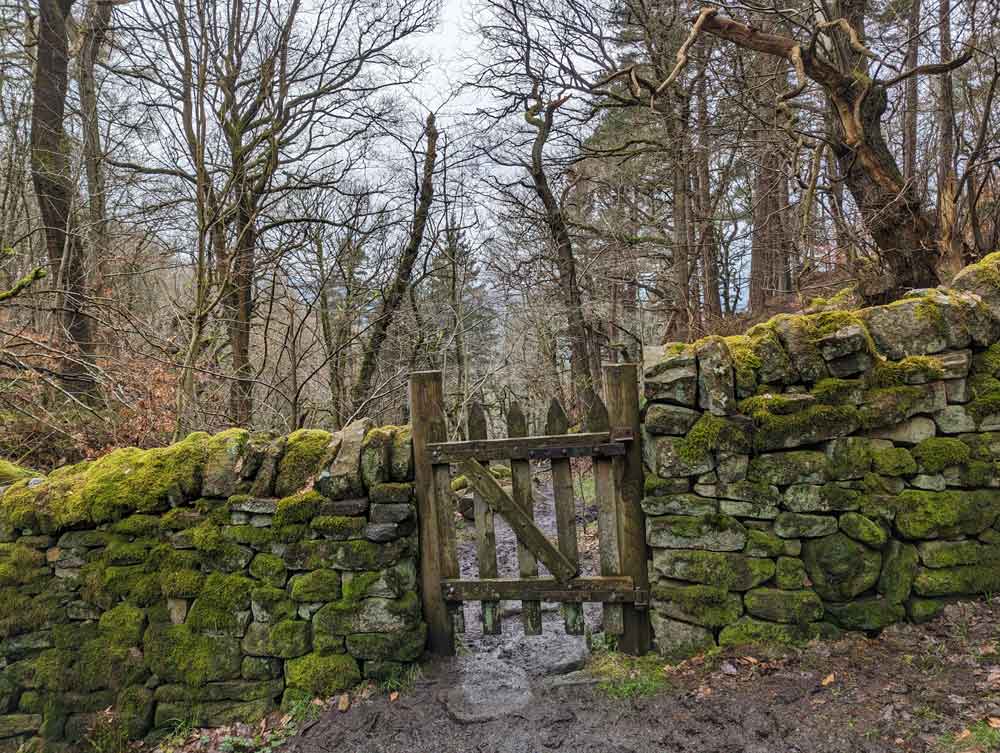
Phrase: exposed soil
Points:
(914, 688)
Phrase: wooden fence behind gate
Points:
(612, 439)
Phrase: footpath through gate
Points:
(612, 439)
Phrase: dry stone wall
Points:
(823, 472)
(206, 582)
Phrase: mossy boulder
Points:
(863, 529)
(794, 525)
(224, 463)
(899, 568)
(176, 653)
(735, 572)
(839, 567)
(372, 615)
(316, 586)
(894, 461)
(376, 451)
(11, 472)
(777, 605)
(775, 430)
(964, 579)
(751, 631)
(786, 468)
(705, 605)
(307, 451)
(790, 574)
(223, 604)
(322, 676)
(676, 639)
(403, 646)
(872, 613)
(270, 569)
(932, 515)
(123, 625)
(937, 453)
(715, 533)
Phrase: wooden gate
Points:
(611, 439)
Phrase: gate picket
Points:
(517, 426)
(562, 490)
(486, 537)
(607, 515)
(446, 526)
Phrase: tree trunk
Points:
(94, 32)
(54, 189)
(404, 271)
(911, 100)
(576, 325)
(239, 309)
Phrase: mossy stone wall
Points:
(832, 471)
(206, 582)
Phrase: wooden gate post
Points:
(427, 417)
(621, 385)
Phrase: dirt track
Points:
(911, 689)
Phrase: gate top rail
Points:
(598, 443)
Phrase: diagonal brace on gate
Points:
(482, 481)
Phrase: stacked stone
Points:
(206, 582)
(829, 471)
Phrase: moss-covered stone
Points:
(894, 461)
(790, 574)
(678, 640)
(712, 434)
(175, 653)
(863, 529)
(394, 492)
(298, 508)
(372, 615)
(134, 711)
(937, 453)
(705, 605)
(793, 525)
(750, 631)
(931, 515)
(269, 568)
(826, 498)
(735, 572)
(316, 586)
(375, 456)
(796, 607)
(405, 645)
(899, 568)
(322, 676)
(717, 533)
(775, 430)
(785, 468)
(289, 639)
(964, 579)
(306, 453)
(339, 527)
(219, 603)
(872, 613)
(763, 544)
(181, 584)
(923, 610)
(11, 472)
(839, 567)
(124, 625)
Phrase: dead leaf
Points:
(393, 696)
(994, 722)
(344, 703)
(828, 679)
(750, 660)
(962, 735)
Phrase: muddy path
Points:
(928, 689)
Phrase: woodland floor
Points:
(933, 688)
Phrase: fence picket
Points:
(562, 490)
(486, 538)
(607, 515)
(517, 426)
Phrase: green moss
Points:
(863, 529)
(175, 653)
(181, 584)
(775, 430)
(910, 370)
(746, 361)
(790, 573)
(763, 544)
(125, 553)
(706, 605)
(749, 631)
(137, 526)
(937, 453)
(269, 568)
(735, 572)
(134, 711)
(322, 676)
(842, 299)
(406, 645)
(356, 587)
(305, 454)
(221, 597)
(403, 492)
(833, 391)
(988, 361)
(207, 538)
(899, 567)
(317, 586)
(289, 639)
(894, 461)
(258, 538)
(866, 614)
(985, 393)
(965, 579)
(298, 508)
(10, 472)
(123, 625)
(796, 607)
(887, 406)
(930, 515)
(923, 610)
(339, 527)
(711, 433)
